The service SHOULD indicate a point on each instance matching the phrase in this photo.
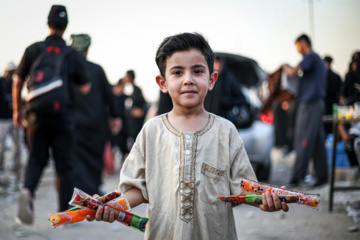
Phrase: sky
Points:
(125, 34)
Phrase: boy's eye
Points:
(177, 72)
(198, 71)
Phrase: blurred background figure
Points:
(349, 91)
(333, 86)
(284, 124)
(120, 140)
(165, 103)
(226, 92)
(309, 128)
(95, 113)
(7, 127)
(135, 107)
(49, 117)
(350, 94)
(282, 103)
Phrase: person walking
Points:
(49, 124)
(309, 128)
(119, 140)
(7, 127)
(95, 113)
(135, 107)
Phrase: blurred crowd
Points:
(340, 92)
(70, 115)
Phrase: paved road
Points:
(252, 224)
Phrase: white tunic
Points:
(181, 174)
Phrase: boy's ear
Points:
(213, 78)
(160, 80)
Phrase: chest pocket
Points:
(213, 183)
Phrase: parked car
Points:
(258, 135)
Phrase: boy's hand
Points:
(102, 214)
(271, 202)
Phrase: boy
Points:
(183, 160)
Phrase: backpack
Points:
(47, 85)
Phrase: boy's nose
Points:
(188, 79)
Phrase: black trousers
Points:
(55, 133)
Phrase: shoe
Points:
(25, 207)
(293, 184)
(320, 182)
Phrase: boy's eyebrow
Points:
(199, 65)
(182, 67)
(177, 67)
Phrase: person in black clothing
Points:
(226, 92)
(135, 107)
(120, 139)
(350, 88)
(350, 94)
(333, 86)
(165, 103)
(7, 127)
(49, 131)
(92, 123)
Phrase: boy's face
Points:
(187, 78)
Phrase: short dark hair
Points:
(121, 81)
(57, 26)
(328, 59)
(131, 73)
(180, 42)
(305, 38)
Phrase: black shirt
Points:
(333, 86)
(92, 108)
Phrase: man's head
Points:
(218, 64)
(328, 60)
(181, 42)
(129, 76)
(303, 44)
(119, 87)
(81, 42)
(9, 69)
(58, 18)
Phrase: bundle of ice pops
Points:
(87, 205)
(288, 196)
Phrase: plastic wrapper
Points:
(118, 206)
(83, 199)
(256, 198)
(307, 199)
(66, 217)
(76, 214)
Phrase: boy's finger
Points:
(111, 217)
(106, 215)
(264, 202)
(270, 202)
(285, 207)
(90, 218)
(99, 213)
(277, 202)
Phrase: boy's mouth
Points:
(188, 92)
